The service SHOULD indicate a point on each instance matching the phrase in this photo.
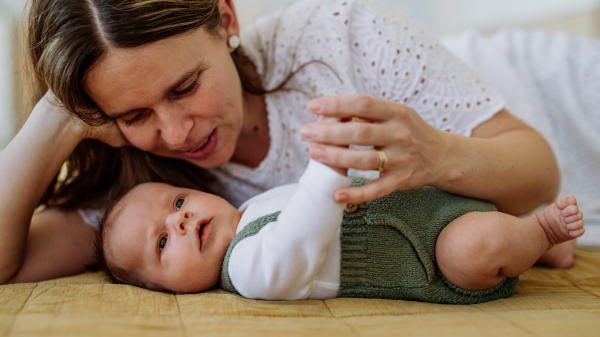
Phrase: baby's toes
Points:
(577, 233)
(569, 211)
(573, 218)
(565, 201)
(575, 225)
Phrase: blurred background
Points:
(441, 16)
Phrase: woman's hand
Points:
(108, 133)
(505, 161)
(50, 107)
(415, 149)
(327, 120)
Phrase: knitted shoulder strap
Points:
(251, 229)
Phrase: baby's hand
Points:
(323, 119)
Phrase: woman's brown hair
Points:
(64, 39)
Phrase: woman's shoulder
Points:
(316, 31)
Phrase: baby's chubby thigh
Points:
(470, 250)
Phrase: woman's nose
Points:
(175, 126)
(181, 221)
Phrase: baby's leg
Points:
(477, 250)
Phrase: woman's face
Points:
(180, 97)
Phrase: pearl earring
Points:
(233, 41)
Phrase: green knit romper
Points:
(388, 248)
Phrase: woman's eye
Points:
(189, 89)
(135, 119)
(179, 203)
(162, 243)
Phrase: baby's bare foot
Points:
(562, 221)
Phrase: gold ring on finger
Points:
(383, 160)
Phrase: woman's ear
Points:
(229, 19)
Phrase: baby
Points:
(295, 242)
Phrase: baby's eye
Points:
(179, 203)
(162, 243)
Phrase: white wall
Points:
(453, 16)
(7, 73)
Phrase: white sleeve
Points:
(395, 58)
(282, 261)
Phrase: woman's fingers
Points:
(371, 134)
(349, 106)
(344, 157)
(415, 149)
(376, 189)
(109, 133)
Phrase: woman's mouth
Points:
(205, 148)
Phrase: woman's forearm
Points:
(512, 167)
(504, 161)
(27, 166)
(59, 243)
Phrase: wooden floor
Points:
(548, 303)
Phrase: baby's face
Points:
(172, 238)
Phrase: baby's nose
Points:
(182, 221)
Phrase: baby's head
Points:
(166, 238)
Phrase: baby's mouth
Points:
(201, 232)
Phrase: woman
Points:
(177, 84)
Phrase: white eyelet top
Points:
(341, 47)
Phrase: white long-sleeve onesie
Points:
(297, 256)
